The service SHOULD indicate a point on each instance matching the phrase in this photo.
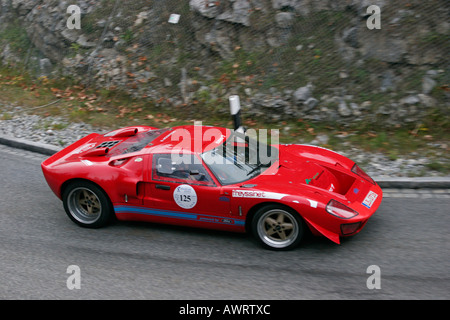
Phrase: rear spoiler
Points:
(70, 149)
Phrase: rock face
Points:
(309, 59)
(237, 11)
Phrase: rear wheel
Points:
(87, 205)
(277, 227)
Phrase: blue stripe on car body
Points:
(179, 215)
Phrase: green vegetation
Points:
(16, 36)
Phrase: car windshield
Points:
(239, 159)
(136, 142)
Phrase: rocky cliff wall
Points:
(309, 59)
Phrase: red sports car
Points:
(213, 178)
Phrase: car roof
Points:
(190, 139)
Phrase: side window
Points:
(192, 172)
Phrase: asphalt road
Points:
(407, 241)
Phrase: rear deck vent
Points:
(107, 144)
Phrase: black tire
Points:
(87, 205)
(277, 227)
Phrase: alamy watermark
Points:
(74, 21)
(374, 20)
(74, 280)
(255, 147)
(374, 280)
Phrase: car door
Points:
(186, 193)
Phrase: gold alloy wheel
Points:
(278, 228)
(84, 205)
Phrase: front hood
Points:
(321, 171)
(306, 172)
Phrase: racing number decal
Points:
(185, 196)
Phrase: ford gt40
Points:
(212, 177)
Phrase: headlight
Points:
(360, 172)
(340, 210)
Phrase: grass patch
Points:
(16, 36)
(439, 166)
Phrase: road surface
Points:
(402, 253)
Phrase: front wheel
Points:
(87, 205)
(277, 227)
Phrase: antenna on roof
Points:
(235, 109)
